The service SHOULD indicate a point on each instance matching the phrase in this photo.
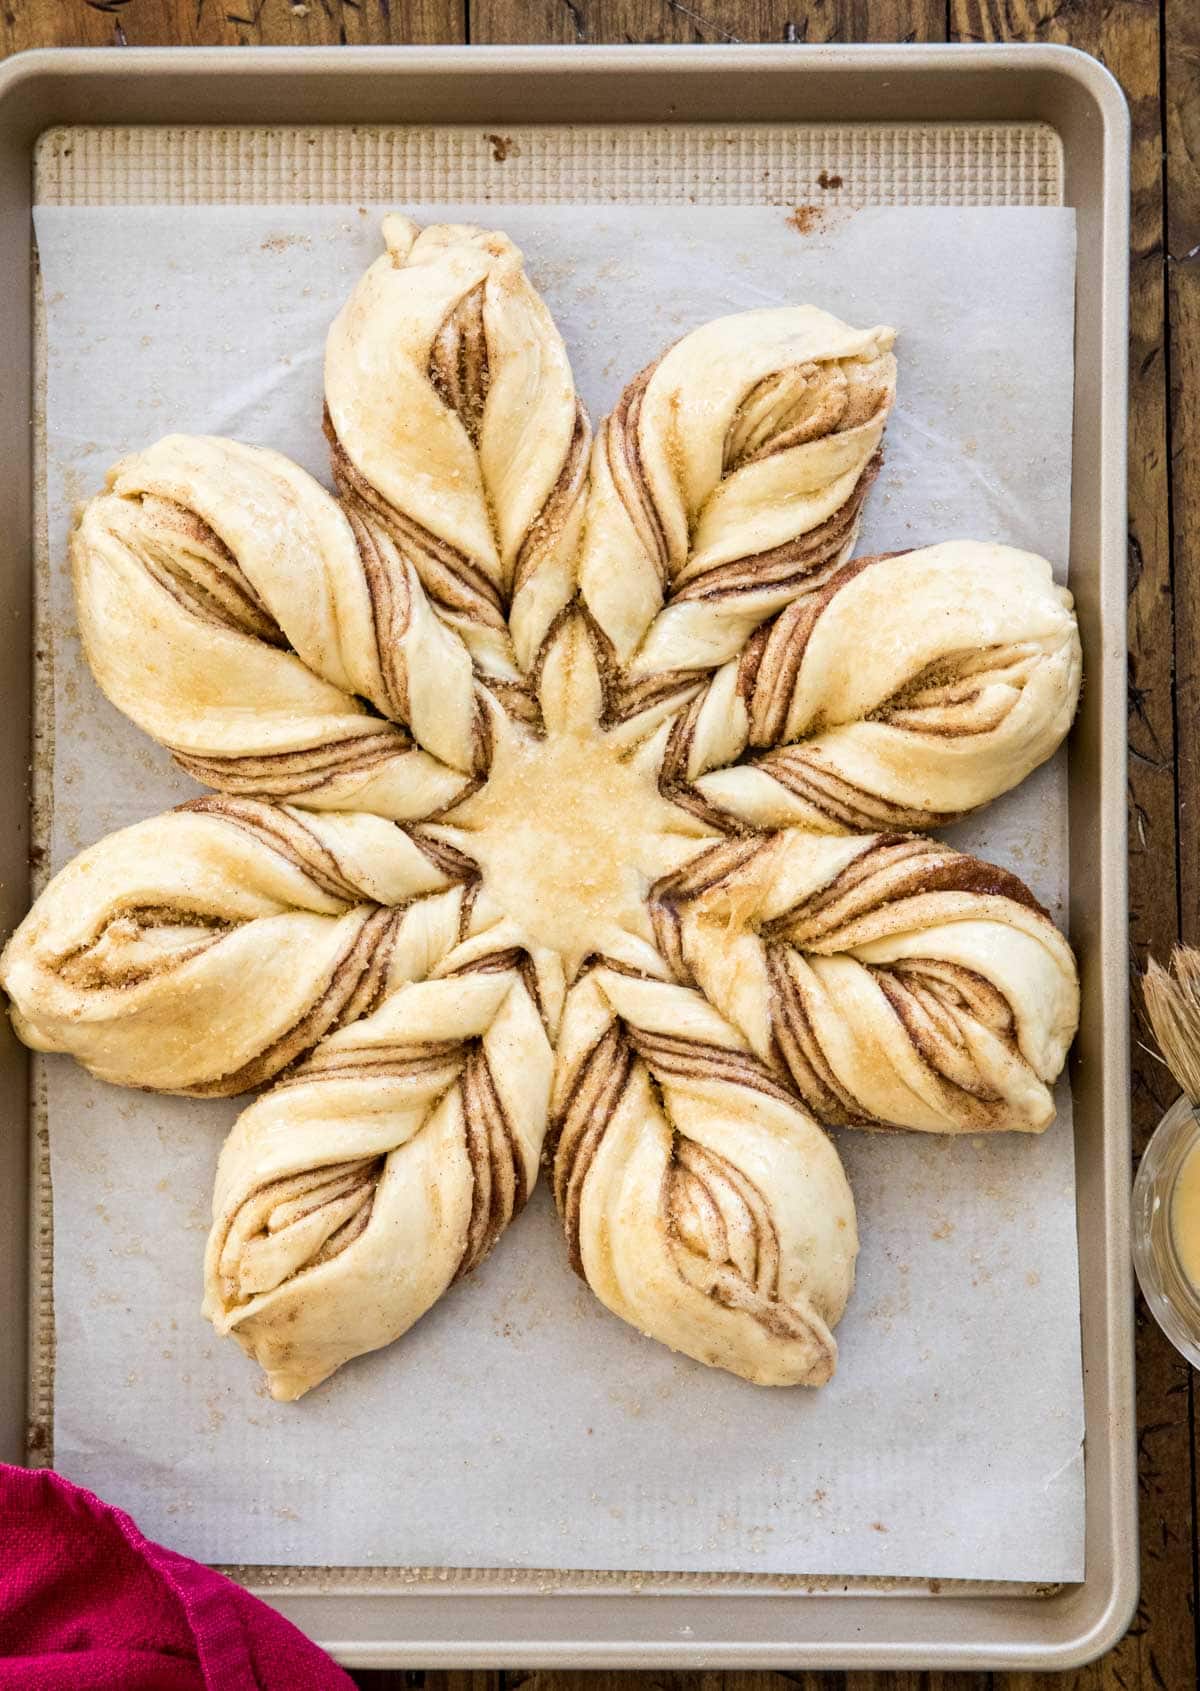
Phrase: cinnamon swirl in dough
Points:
(898, 983)
(382, 1169)
(904, 693)
(205, 950)
(556, 783)
(701, 1203)
(241, 616)
(730, 479)
(452, 415)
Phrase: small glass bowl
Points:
(1173, 1301)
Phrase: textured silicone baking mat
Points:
(852, 165)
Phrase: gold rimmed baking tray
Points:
(927, 125)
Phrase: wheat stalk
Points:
(1172, 998)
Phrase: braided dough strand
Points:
(729, 477)
(898, 983)
(204, 950)
(453, 418)
(904, 692)
(384, 1168)
(700, 1202)
(230, 607)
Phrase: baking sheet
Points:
(520, 1425)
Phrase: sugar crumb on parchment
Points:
(806, 219)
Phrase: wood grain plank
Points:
(593, 21)
(912, 1680)
(1159, 1652)
(660, 1681)
(1181, 129)
(1182, 94)
(901, 1681)
(400, 1679)
(656, 1681)
(227, 23)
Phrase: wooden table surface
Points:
(1153, 48)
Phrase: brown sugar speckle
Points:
(281, 243)
(806, 220)
(501, 145)
(825, 180)
(878, 1526)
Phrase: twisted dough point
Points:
(903, 693)
(385, 1167)
(206, 949)
(898, 982)
(700, 1202)
(731, 475)
(452, 415)
(229, 606)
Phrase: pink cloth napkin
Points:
(87, 1603)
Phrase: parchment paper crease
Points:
(519, 1424)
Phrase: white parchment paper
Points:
(519, 1424)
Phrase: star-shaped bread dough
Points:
(564, 809)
